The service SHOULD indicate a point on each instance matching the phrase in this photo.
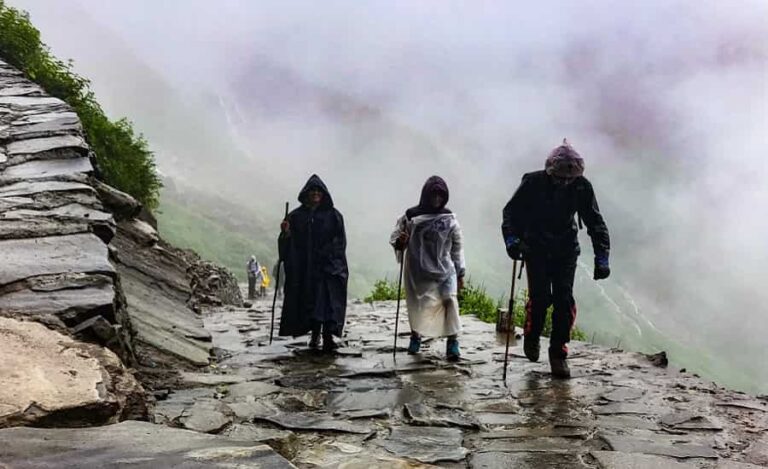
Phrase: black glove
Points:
(602, 268)
(516, 248)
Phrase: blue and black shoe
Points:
(414, 346)
(452, 352)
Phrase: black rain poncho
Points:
(315, 266)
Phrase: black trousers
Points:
(251, 286)
(550, 283)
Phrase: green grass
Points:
(384, 290)
(123, 157)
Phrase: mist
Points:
(666, 100)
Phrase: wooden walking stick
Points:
(509, 317)
(397, 311)
(277, 284)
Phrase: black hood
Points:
(433, 184)
(315, 181)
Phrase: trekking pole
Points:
(277, 283)
(509, 317)
(397, 311)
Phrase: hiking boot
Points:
(314, 342)
(414, 346)
(531, 347)
(452, 352)
(559, 368)
(328, 344)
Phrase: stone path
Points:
(362, 408)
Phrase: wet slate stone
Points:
(757, 453)
(661, 445)
(25, 258)
(619, 409)
(207, 416)
(537, 432)
(492, 419)
(363, 414)
(625, 422)
(138, 445)
(210, 379)
(746, 405)
(421, 414)
(618, 460)
(426, 444)
(623, 394)
(533, 445)
(374, 399)
(251, 390)
(737, 465)
(687, 420)
(28, 188)
(39, 145)
(48, 168)
(500, 460)
(314, 422)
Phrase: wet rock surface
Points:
(51, 380)
(131, 444)
(364, 408)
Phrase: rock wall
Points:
(56, 271)
(82, 257)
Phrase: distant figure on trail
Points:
(279, 278)
(539, 228)
(253, 270)
(264, 281)
(428, 239)
(313, 247)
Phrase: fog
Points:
(666, 100)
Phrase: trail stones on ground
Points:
(426, 444)
(660, 445)
(208, 416)
(132, 444)
(623, 394)
(499, 460)
(374, 399)
(251, 390)
(421, 414)
(618, 460)
(314, 422)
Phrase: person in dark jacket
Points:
(539, 228)
(313, 246)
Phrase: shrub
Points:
(475, 300)
(122, 156)
(384, 290)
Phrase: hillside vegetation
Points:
(123, 157)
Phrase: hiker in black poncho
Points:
(312, 245)
(539, 227)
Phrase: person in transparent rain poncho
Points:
(428, 239)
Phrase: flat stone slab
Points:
(208, 416)
(314, 422)
(26, 188)
(421, 414)
(75, 304)
(660, 445)
(499, 460)
(617, 460)
(49, 378)
(373, 399)
(426, 444)
(251, 390)
(534, 445)
(39, 145)
(623, 394)
(537, 432)
(24, 258)
(623, 409)
(48, 168)
(133, 444)
(209, 379)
